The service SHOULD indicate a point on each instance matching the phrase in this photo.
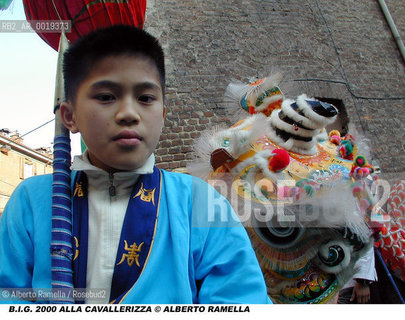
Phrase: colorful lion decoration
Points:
(303, 194)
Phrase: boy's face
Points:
(119, 112)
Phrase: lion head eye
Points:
(280, 236)
(334, 256)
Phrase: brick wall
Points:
(347, 43)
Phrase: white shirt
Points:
(365, 269)
(106, 216)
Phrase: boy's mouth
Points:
(127, 138)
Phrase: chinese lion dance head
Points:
(302, 193)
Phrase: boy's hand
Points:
(361, 292)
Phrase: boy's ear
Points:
(68, 117)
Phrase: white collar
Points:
(82, 163)
(99, 177)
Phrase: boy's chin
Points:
(127, 166)
(121, 163)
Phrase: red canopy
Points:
(85, 15)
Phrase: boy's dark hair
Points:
(117, 40)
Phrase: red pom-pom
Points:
(350, 138)
(346, 151)
(357, 190)
(335, 139)
(279, 161)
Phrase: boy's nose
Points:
(127, 112)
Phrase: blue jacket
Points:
(201, 252)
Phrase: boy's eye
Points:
(146, 98)
(105, 97)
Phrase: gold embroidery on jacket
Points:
(132, 255)
(146, 195)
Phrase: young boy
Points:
(150, 236)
